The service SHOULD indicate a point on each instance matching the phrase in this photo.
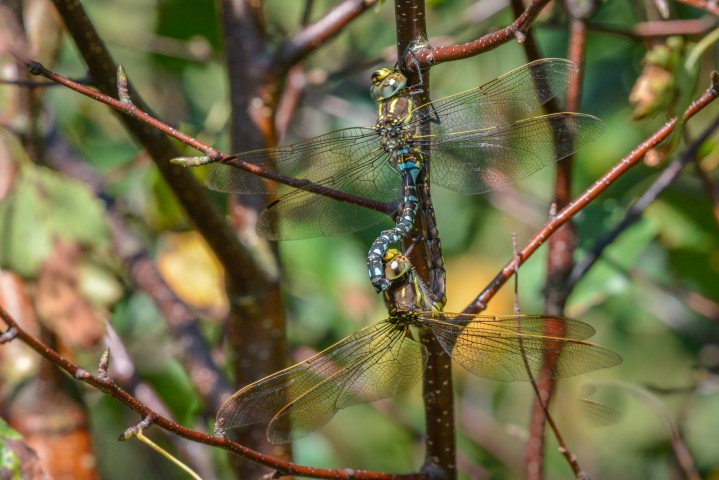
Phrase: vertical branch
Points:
(256, 323)
(440, 444)
(560, 261)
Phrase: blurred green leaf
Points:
(43, 207)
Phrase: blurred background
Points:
(652, 296)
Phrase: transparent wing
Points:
(497, 347)
(391, 364)
(299, 213)
(316, 160)
(504, 100)
(479, 161)
(359, 368)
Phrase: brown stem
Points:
(318, 33)
(440, 442)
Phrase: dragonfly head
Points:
(396, 265)
(386, 83)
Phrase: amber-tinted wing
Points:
(508, 347)
(376, 362)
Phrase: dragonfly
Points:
(387, 358)
(343, 181)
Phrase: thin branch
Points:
(480, 302)
(316, 34)
(515, 31)
(440, 442)
(662, 182)
(108, 387)
(541, 397)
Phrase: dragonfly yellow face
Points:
(386, 358)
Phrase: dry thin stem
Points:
(563, 448)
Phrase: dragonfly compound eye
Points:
(395, 264)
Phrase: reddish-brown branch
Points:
(108, 387)
(516, 30)
(440, 442)
(480, 302)
(560, 260)
(318, 33)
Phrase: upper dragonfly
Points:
(479, 140)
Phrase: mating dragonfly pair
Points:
(478, 140)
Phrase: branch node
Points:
(82, 374)
(104, 365)
(520, 37)
(715, 83)
(136, 429)
(220, 428)
(123, 93)
(35, 68)
(8, 335)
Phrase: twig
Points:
(318, 33)
(480, 302)
(540, 396)
(440, 442)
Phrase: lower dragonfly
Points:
(479, 140)
(384, 359)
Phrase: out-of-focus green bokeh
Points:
(652, 297)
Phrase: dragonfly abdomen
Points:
(409, 170)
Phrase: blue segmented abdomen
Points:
(405, 221)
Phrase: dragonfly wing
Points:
(507, 349)
(261, 400)
(387, 366)
(502, 101)
(479, 161)
(315, 160)
(300, 213)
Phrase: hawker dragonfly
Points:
(479, 140)
(386, 358)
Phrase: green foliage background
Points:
(642, 296)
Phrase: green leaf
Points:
(43, 207)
